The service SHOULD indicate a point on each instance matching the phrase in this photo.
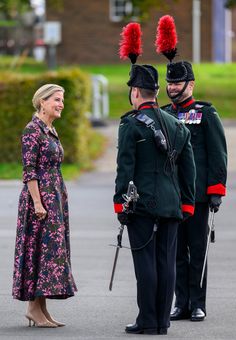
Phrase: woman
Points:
(42, 267)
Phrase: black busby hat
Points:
(179, 71)
(143, 76)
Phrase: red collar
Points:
(148, 105)
(184, 104)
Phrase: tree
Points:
(10, 9)
(230, 3)
(57, 5)
(142, 8)
(139, 8)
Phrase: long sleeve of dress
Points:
(30, 151)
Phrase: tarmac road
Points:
(95, 312)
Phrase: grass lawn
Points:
(69, 171)
(215, 83)
(14, 171)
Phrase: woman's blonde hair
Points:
(45, 92)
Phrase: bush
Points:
(16, 92)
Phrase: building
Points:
(91, 29)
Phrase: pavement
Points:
(95, 312)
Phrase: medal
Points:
(192, 116)
(199, 117)
(181, 117)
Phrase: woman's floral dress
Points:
(42, 254)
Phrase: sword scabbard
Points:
(114, 268)
(210, 238)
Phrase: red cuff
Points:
(217, 189)
(188, 208)
(118, 207)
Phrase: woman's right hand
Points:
(40, 212)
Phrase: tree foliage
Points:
(57, 5)
(145, 6)
(141, 8)
(10, 9)
(230, 3)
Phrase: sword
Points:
(210, 238)
(119, 245)
(131, 196)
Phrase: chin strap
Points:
(130, 90)
(175, 98)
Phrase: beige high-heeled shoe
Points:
(45, 324)
(55, 322)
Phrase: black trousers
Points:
(154, 269)
(191, 247)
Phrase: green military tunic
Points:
(164, 191)
(208, 143)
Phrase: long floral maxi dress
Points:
(42, 253)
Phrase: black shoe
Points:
(179, 314)
(198, 315)
(162, 331)
(135, 329)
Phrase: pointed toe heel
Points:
(45, 324)
(57, 323)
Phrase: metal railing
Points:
(100, 98)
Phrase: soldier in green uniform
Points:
(154, 152)
(210, 154)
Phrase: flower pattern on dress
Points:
(42, 265)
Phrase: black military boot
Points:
(180, 314)
(198, 315)
(135, 329)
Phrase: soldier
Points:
(210, 154)
(151, 144)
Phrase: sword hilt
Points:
(131, 196)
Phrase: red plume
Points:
(166, 37)
(130, 44)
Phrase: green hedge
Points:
(16, 92)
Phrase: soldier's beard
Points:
(178, 97)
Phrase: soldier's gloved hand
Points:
(215, 202)
(123, 218)
(186, 215)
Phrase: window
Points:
(119, 9)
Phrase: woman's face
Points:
(53, 106)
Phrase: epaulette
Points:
(199, 104)
(129, 113)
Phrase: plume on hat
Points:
(166, 37)
(130, 44)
